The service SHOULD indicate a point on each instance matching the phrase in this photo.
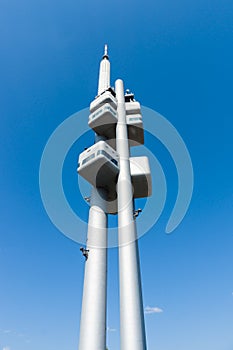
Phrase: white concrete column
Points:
(92, 334)
(104, 73)
(132, 328)
(93, 316)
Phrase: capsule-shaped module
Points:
(141, 177)
(103, 121)
(108, 96)
(103, 117)
(135, 129)
(134, 121)
(99, 165)
(132, 107)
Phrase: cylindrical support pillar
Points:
(104, 75)
(132, 328)
(93, 316)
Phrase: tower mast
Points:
(104, 72)
(132, 326)
(93, 315)
(116, 119)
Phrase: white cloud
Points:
(6, 348)
(15, 334)
(152, 310)
(5, 331)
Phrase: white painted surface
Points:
(93, 316)
(132, 328)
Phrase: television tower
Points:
(117, 179)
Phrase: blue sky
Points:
(177, 58)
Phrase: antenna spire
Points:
(105, 51)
